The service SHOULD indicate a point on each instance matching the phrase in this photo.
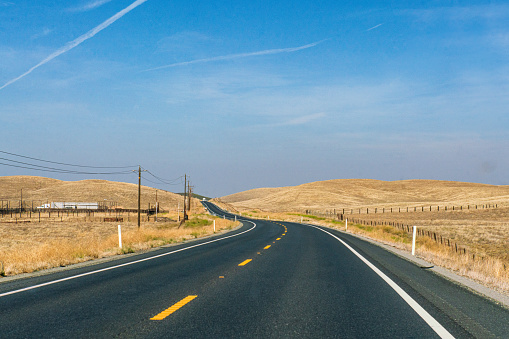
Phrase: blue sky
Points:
(240, 95)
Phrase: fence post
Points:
(119, 237)
(413, 240)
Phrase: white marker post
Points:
(214, 226)
(235, 218)
(346, 225)
(119, 237)
(301, 219)
(413, 239)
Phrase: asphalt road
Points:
(266, 279)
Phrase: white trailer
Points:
(71, 205)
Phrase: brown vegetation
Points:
(28, 247)
(361, 193)
(474, 217)
(42, 190)
(35, 241)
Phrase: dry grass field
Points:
(30, 247)
(362, 193)
(42, 190)
(483, 231)
(34, 241)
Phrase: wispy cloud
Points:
(304, 119)
(46, 31)
(90, 6)
(78, 41)
(459, 13)
(374, 27)
(238, 56)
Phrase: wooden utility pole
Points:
(139, 197)
(21, 204)
(185, 192)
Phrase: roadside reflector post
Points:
(235, 218)
(119, 237)
(346, 224)
(301, 219)
(214, 226)
(413, 239)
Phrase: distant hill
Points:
(42, 190)
(350, 193)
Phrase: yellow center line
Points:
(174, 308)
(278, 239)
(266, 247)
(245, 262)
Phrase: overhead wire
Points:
(54, 170)
(36, 167)
(65, 164)
(164, 181)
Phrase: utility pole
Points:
(190, 188)
(139, 197)
(185, 197)
(21, 204)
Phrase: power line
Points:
(63, 171)
(36, 167)
(164, 181)
(65, 164)
(52, 169)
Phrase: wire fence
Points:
(331, 213)
(343, 214)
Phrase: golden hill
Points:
(42, 190)
(352, 193)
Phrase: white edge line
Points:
(435, 325)
(122, 265)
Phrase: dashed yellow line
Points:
(174, 308)
(266, 247)
(278, 239)
(245, 262)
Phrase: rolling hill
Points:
(351, 193)
(42, 190)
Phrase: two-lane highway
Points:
(266, 279)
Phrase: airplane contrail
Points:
(70, 45)
(240, 55)
(374, 27)
(90, 6)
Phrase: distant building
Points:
(71, 205)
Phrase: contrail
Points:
(90, 6)
(374, 27)
(70, 45)
(240, 55)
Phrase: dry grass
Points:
(31, 247)
(492, 271)
(483, 232)
(357, 193)
(42, 190)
